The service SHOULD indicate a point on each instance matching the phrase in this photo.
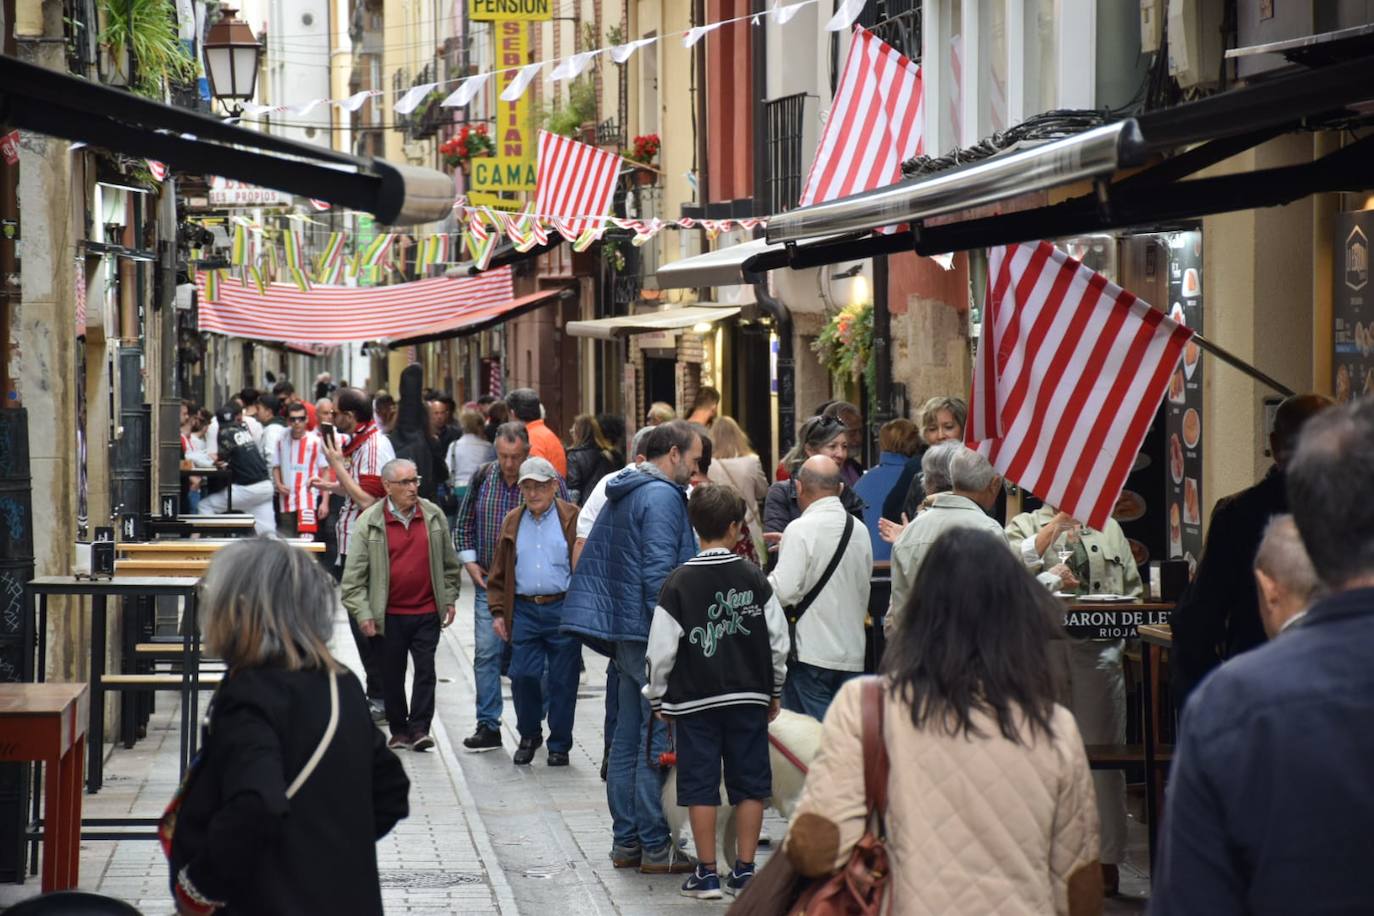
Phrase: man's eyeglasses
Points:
(296, 419)
(407, 482)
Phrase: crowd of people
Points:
(718, 599)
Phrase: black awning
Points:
(1209, 130)
(60, 105)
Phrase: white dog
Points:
(801, 736)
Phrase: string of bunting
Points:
(482, 229)
(564, 68)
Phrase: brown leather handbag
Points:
(857, 889)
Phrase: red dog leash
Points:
(787, 753)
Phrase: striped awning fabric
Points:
(338, 314)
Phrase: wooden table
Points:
(46, 723)
(100, 591)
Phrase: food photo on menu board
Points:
(1183, 405)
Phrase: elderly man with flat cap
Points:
(525, 589)
(1218, 616)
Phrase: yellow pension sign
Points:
(512, 167)
(507, 10)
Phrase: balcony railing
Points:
(784, 120)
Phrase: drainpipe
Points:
(772, 306)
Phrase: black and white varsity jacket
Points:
(718, 638)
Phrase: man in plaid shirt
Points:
(492, 493)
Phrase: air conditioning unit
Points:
(1195, 42)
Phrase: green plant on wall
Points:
(567, 118)
(149, 27)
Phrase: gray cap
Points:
(537, 469)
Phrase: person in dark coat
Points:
(820, 435)
(1218, 616)
(261, 826)
(410, 436)
(1270, 799)
(591, 457)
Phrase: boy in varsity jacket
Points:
(717, 657)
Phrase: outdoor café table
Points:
(47, 723)
(100, 591)
(1129, 620)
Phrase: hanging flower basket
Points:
(845, 345)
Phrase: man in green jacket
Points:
(401, 576)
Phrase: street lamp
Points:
(232, 56)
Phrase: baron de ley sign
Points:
(519, 10)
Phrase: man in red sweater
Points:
(401, 583)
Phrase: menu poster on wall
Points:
(1352, 313)
(1183, 403)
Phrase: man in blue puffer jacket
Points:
(641, 536)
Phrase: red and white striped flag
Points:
(1070, 371)
(574, 180)
(875, 123)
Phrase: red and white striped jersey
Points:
(299, 460)
(365, 461)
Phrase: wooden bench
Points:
(207, 681)
(160, 568)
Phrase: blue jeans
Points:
(634, 785)
(486, 663)
(809, 690)
(538, 645)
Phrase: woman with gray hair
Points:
(293, 786)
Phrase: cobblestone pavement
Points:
(484, 836)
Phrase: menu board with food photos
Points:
(1353, 360)
(1183, 402)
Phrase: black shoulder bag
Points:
(795, 612)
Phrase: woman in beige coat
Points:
(991, 806)
(734, 463)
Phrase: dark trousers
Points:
(416, 635)
(369, 648)
(612, 702)
(537, 643)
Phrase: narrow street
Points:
(483, 836)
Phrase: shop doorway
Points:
(660, 383)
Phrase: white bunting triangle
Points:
(844, 16)
(697, 32)
(781, 15)
(412, 99)
(467, 90)
(622, 53)
(355, 101)
(572, 67)
(521, 82)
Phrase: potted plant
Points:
(471, 140)
(644, 150)
(145, 31)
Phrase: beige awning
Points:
(664, 320)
